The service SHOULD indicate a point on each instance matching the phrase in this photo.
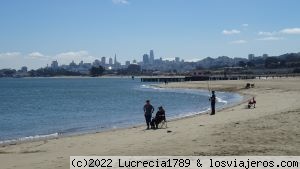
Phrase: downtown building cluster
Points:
(148, 63)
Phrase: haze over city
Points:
(34, 33)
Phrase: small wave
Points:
(150, 87)
(173, 90)
(71, 130)
(220, 100)
(30, 138)
(189, 114)
(145, 86)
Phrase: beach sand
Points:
(272, 128)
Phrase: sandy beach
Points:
(272, 128)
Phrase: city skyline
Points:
(34, 33)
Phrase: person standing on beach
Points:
(148, 110)
(212, 100)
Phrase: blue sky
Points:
(35, 32)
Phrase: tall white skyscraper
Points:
(115, 61)
(151, 60)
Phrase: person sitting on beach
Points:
(159, 117)
(251, 103)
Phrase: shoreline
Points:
(58, 135)
(272, 128)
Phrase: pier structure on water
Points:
(163, 79)
(194, 78)
(213, 77)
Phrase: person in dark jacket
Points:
(212, 100)
(148, 110)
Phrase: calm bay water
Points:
(44, 107)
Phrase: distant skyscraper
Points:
(103, 60)
(251, 56)
(96, 62)
(127, 63)
(151, 57)
(146, 59)
(115, 61)
(134, 61)
(177, 59)
(72, 64)
(265, 56)
(24, 69)
(54, 64)
(110, 61)
(81, 63)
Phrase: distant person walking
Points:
(148, 110)
(212, 100)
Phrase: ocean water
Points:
(33, 108)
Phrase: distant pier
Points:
(163, 79)
(194, 78)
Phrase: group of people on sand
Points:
(159, 117)
(160, 114)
